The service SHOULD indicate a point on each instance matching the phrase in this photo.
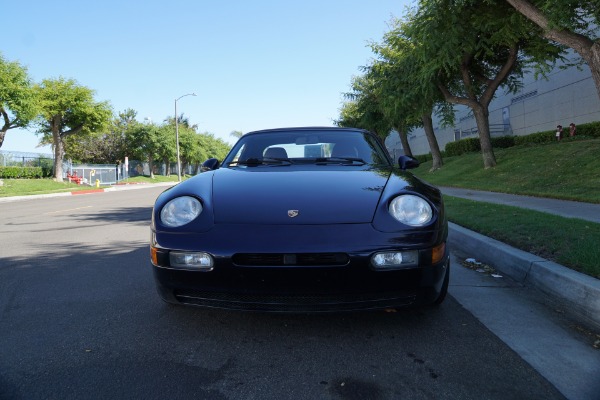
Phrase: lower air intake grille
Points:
(290, 259)
(294, 303)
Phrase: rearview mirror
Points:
(407, 162)
(210, 165)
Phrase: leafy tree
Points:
(215, 147)
(212, 147)
(201, 150)
(349, 114)
(186, 141)
(67, 108)
(572, 23)
(125, 120)
(371, 111)
(365, 110)
(386, 97)
(470, 48)
(17, 102)
(218, 148)
(410, 104)
(182, 121)
(236, 134)
(108, 147)
(105, 147)
(189, 146)
(144, 142)
(166, 146)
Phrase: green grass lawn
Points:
(568, 170)
(570, 242)
(26, 187)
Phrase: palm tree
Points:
(182, 121)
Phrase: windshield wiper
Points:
(254, 162)
(340, 160)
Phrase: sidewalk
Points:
(564, 208)
(580, 292)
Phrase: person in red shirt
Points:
(572, 129)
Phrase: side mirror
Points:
(406, 162)
(210, 164)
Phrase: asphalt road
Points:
(80, 318)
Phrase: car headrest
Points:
(275, 152)
(344, 150)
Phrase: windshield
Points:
(283, 147)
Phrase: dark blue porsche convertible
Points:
(302, 220)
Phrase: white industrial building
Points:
(564, 96)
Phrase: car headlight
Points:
(411, 210)
(180, 211)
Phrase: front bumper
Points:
(301, 290)
(349, 286)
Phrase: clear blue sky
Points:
(253, 64)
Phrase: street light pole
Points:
(177, 136)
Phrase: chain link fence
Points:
(24, 159)
(93, 174)
(89, 174)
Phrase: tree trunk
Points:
(59, 149)
(167, 166)
(587, 48)
(480, 106)
(594, 64)
(433, 143)
(6, 126)
(151, 166)
(483, 126)
(58, 160)
(404, 141)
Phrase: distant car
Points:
(302, 220)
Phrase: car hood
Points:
(277, 196)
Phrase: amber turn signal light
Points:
(437, 253)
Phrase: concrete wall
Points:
(567, 95)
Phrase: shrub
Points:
(21, 172)
(462, 146)
(537, 138)
(503, 142)
(470, 145)
(591, 129)
(423, 158)
(47, 167)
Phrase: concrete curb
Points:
(11, 199)
(87, 191)
(581, 293)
